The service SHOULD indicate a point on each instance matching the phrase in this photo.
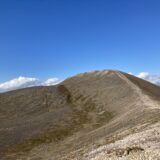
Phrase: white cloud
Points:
(149, 77)
(51, 81)
(24, 82)
(143, 75)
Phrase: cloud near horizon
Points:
(155, 79)
(25, 82)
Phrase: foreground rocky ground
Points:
(143, 145)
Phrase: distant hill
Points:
(90, 115)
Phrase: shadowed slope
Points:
(89, 106)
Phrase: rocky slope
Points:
(92, 115)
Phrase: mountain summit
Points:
(88, 116)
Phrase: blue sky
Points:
(59, 38)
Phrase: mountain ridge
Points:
(84, 109)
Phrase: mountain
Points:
(96, 115)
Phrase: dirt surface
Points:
(95, 115)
